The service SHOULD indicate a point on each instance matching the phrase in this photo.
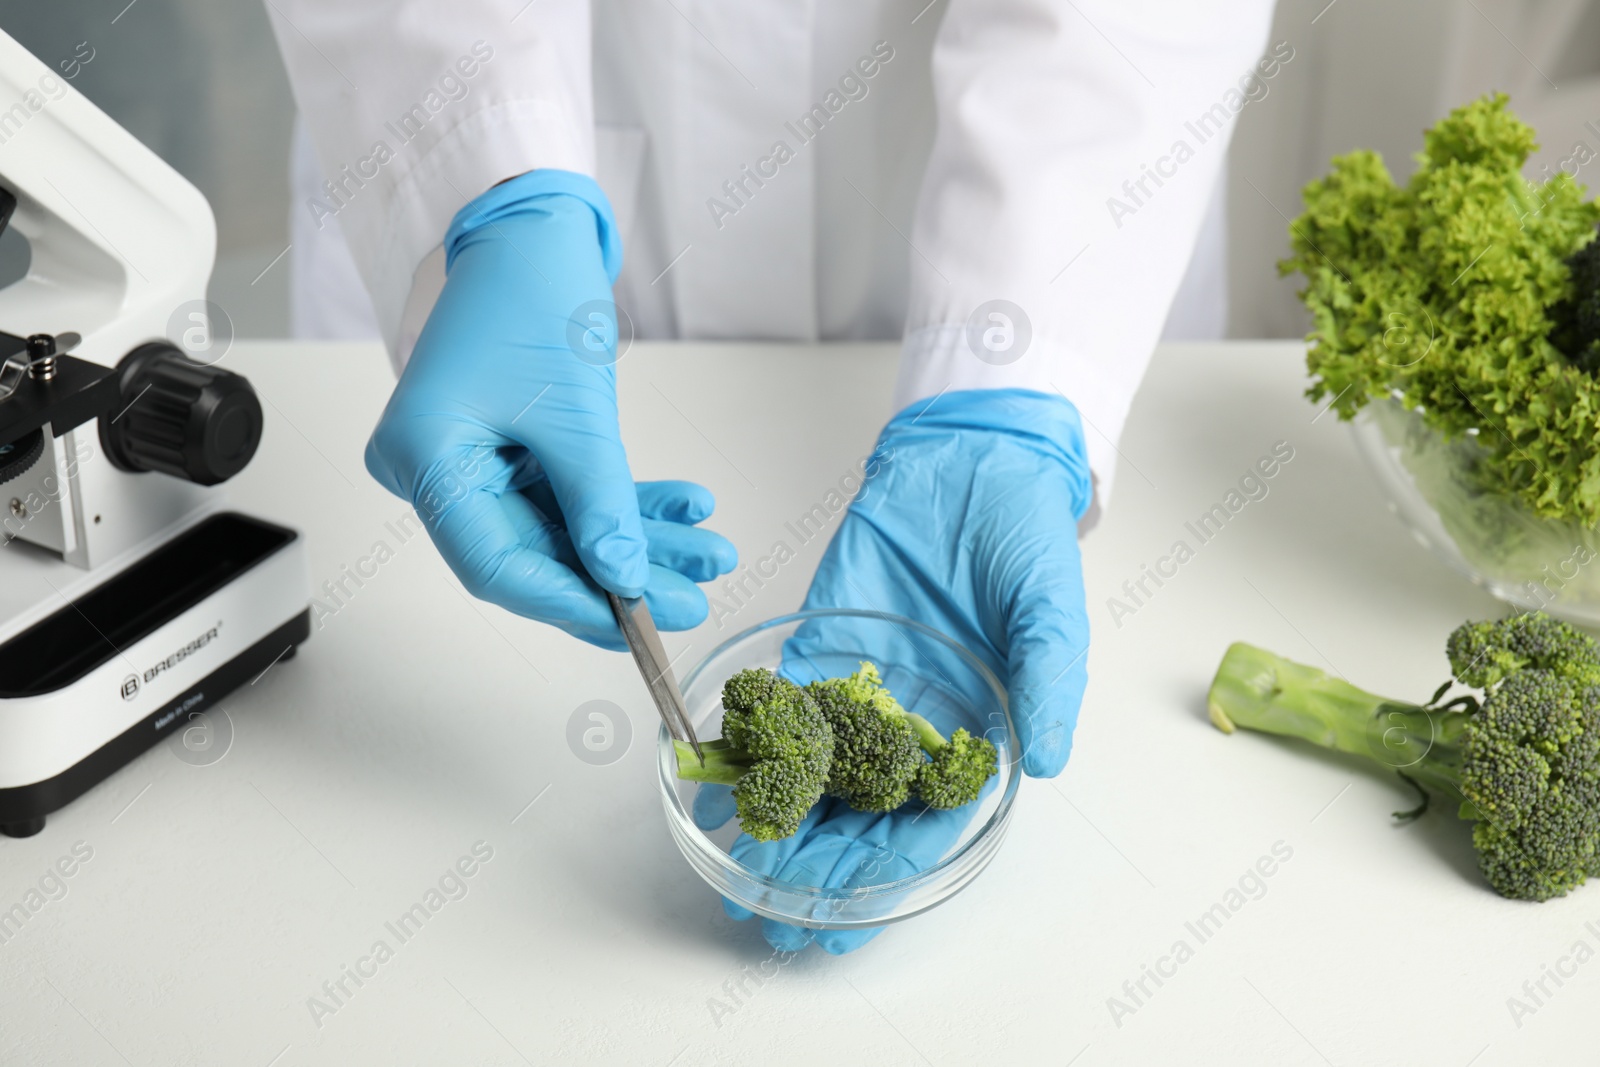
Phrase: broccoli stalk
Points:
(1261, 691)
(723, 765)
(929, 739)
(1524, 760)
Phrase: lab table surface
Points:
(1176, 896)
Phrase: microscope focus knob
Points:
(182, 418)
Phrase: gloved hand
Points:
(970, 527)
(840, 848)
(505, 438)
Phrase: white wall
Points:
(200, 81)
(1374, 74)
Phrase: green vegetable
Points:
(956, 770)
(776, 749)
(876, 754)
(783, 746)
(1523, 758)
(1469, 294)
(878, 760)
(1577, 318)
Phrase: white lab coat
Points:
(799, 169)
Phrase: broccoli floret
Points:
(879, 757)
(875, 751)
(1524, 760)
(1482, 653)
(957, 770)
(783, 746)
(775, 751)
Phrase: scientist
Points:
(999, 183)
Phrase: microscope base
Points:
(208, 612)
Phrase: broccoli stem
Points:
(1261, 691)
(928, 735)
(724, 764)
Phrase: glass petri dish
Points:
(913, 864)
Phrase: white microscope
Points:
(130, 599)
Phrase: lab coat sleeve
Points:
(417, 106)
(1076, 149)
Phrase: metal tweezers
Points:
(639, 630)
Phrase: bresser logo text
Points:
(182, 654)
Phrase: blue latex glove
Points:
(502, 430)
(970, 527)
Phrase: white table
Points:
(415, 724)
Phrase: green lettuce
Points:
(1462, 296)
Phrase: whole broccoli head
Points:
(776, 750)
(1525, 760)
(1530, 757)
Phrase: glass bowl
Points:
(1495, 541)
(930, 675)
